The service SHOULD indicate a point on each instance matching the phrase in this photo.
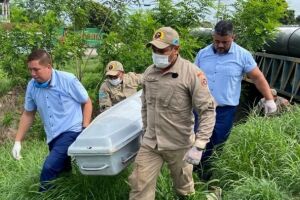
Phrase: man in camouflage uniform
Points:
(281, 103)
(172, 87)
(117, 86)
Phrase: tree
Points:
(35, 25)
(32, 10)
(64, 11)
(288, 18)
(99, 16)
(256, 21)
(223, 12)
(127, 38)
(126, 43)
(298, 19)
(185, 13)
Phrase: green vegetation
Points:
(7, 119)
(256, 21)
(35, 24)
(20, 179)
(5, 84)
(261, 161)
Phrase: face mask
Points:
(160, 61)
(115, 82)
(41, 85)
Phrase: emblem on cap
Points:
(175, 41)
(112, 66)
(159, 35)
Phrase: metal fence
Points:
(282, 73)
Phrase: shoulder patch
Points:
(202, 78)
(200, 74)
(204, 82)
(102, 95)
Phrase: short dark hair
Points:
(41, 55)
(224, 28)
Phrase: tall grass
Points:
(5, 83)
(251, 188)
(261, 161)
(262, 156)
(5, 86)
(19, 180)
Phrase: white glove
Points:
(193, 156)
(16, 151)
(270, 106)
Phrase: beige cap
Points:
(164, 37)
(113, 68)
(274, 92)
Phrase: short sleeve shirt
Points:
(225, 72)
(59, 105)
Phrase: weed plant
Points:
(251, 188)
(7, 119)
(5, 83)
(19, 180)
(5, 86)
(261, 159)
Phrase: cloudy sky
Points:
(294, 5)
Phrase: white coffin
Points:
(111, 141)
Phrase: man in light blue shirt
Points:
(65, 109)
(225, 63)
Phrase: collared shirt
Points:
(225, 72)
(168, 99)
(59, 105)
(110, 95)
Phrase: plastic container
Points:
(111, 141)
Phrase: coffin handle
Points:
(124, 161)
(94, 168)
